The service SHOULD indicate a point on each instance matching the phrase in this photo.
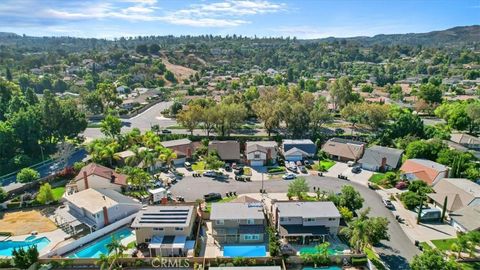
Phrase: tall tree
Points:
(111, 126)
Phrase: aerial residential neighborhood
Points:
(240, 135)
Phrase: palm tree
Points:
(136, 158)
(150, 159)
(109, 152)
(357, 232)
(151, 140)
(322, 249)
(167, 155)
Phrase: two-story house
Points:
(305, 222)
(260, 153)
(167, 229)
(238, 222)
(96, 208)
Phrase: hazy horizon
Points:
(303, 19)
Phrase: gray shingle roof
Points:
(305, 145)
(375, 154)
(236, 211)
(307, 209)
(175, 142)
(468, 217)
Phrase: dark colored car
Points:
(166, 131)
(212, 197)
(227, 167)
(238, 171)
(356, 169)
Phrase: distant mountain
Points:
(7, 34)
(454, 36)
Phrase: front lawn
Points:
(444, 244)
(198, 166)
(377, 178)
(223, 200)
(58, 193)
(374, 258)
(323, 165)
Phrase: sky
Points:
(304, 19)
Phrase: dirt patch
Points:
(180, 72)
(24, 222)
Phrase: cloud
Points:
(219, 13)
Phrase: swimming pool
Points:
(244, 251)
(6, 247)
(99, 246)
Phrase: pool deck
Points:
(56, 237)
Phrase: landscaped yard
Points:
(444, 244)
(374, 258)
(223, 200)
(198, 166)
(323, 165)
(58, 193)
(376, 178)
(470, 265)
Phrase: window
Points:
(158, 229)
(331, 219)
(310, 219)
(251, 237)
(178, 229)
(147, 240)
(256, 156)
(282, 219)
(219, 222)
(250, 221)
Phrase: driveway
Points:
(343, 169)
(395, 253)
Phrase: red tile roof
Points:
(102, 171)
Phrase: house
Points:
(458, 191)
(294, 150)
(98, 176)
(184, 149)
(125, 155)
(379, 158)
(260, 153)
(466, 219)
(343, 149)
(95, 208)
(227, 150)
(466, 140)
(238, 222)
(305, 222)
(168, 230)
(428, 171)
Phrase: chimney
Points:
(85, 179)
(105, 216)
(384, 164)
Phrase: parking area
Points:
(343, 169)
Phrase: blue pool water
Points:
(6, 247)
(244, 251)
(98, 248)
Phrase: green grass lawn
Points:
(223, 200)
(425, 246)
(327, 164)
(58, 193)
(198, 166)
(376, 178)
(444, 244)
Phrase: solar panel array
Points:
(165, 216)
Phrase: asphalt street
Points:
(396, 252)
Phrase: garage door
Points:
(369, 167)
(293, 157)
(256, 163)
(179, 161)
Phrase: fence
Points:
(89, 238)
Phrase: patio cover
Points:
(179, 241)
(156, 242)
(299, 230)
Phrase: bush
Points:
(276, 170)
(410, 199)
(27, 175)
(3, 195)
(359, 261)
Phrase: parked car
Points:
(350, 163)
(356, 169)
(227, 167)
(187, 165)
(209, 174)
(238, 171)
(303, 169)
(289, 176)
(292, 168)
(306, 162)
(388, 204)
(299, 163)
(166, 131)
(212, 197)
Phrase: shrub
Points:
(27, 175)
(276, 170)
(359, 261)
(3, 195)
